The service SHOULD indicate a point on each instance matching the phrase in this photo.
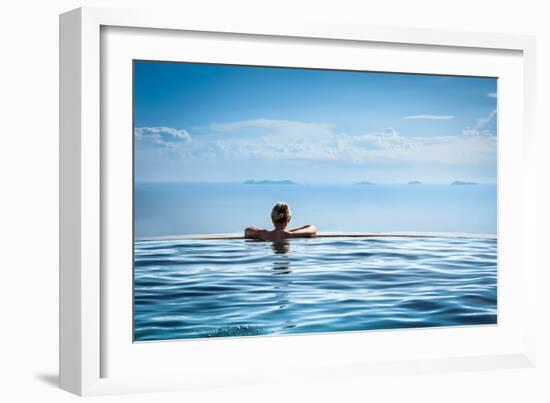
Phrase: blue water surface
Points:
(221, 288)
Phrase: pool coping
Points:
(335, 234)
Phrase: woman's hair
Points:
(281, 213)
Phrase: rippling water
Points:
(219, 288)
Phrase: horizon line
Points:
(300, 183)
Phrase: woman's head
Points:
(281, 215)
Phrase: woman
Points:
(280, 216)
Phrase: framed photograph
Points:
(248, 202)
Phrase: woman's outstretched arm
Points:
(307, 231)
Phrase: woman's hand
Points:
(307, 231)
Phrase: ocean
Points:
(164, 209)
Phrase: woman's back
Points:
(280, 216)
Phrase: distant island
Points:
(364, 183)
(268, 182)
(461, 183)
(415, 183)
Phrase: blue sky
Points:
(214, 123)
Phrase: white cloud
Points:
(478, 128)
(280, 140)
(429, 117)
(311, 151)
(281, 130)
(492, 94)
(444, 150)
(481, 122)
(164, 136)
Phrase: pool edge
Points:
(235, 235)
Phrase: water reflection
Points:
(280, 247)
(282, 287)
(281, 264)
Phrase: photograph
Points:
(277, 201)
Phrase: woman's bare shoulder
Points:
(254, 232)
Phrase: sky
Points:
(218, 123)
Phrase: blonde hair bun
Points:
(281, 213)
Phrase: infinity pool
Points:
(220, 288)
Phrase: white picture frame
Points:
(88, 348)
